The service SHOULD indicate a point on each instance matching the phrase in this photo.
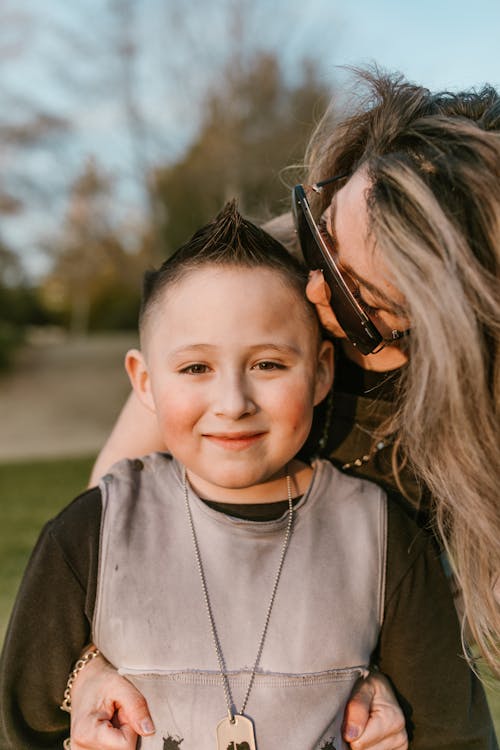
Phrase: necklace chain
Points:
(215, 635)
(360, 460)
(377, 446)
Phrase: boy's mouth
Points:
(234, 441)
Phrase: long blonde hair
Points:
(434, 210)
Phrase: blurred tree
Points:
(10, 333)
(25, 123)
(255, 123)
(20, 305)
(131, 79)
(95, 280)
(10, 266)
(248, 112)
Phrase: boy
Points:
(245, 618)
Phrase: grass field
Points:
(30, 494)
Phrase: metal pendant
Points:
(236, 735)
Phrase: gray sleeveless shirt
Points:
(151, 622)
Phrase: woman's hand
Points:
(107, 712)
(373, 719)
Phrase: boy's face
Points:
(232, 367)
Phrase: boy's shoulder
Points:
(401, 510)
(81, 518)
(133, 469)
(408, 528)
(141, 486)
(348, 484)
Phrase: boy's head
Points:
(232, 360)
(228, 240)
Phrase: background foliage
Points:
(224, 81)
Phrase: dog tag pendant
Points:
(235, 735)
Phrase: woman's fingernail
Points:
(147, 726)
(351, 733)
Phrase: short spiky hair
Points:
(228, 240)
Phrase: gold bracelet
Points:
(80, 664)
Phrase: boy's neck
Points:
(254, 512)
(271, 491)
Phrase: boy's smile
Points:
(235, 441)
(232, 367)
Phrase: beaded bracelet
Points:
(80, 664)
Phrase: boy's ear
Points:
(138, 374)
(324, 372)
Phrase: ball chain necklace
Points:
(237, 728)
(354, 462)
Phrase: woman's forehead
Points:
(357, 251)
(348, 223)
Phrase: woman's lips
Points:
(235, 441)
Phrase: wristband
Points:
(80, 664)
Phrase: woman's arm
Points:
(420, 647)
(134, 434)
(49, 626)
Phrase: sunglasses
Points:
(319, 253)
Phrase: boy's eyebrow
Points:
(276, 347)
(267, 345)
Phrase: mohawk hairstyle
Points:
(227, 240)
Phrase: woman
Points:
(416, 229)
(414, 221)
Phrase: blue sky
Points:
(439, 43)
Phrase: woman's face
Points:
(359, 258)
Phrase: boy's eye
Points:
(195, 369)
(266, 365)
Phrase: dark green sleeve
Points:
(420, 647)
(50, 625)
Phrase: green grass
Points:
(492, 687)
(493, 693)
(30, 494)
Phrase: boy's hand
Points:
(107, 712)
(373, 719)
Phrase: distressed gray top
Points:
(150, 617)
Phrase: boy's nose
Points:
(233, 398)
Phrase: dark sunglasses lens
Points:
(313, 256)
(303, 232)
(358, 328)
